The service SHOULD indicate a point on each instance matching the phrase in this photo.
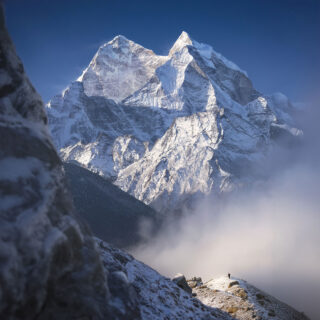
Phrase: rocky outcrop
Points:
(195, 282)
(180, 281)
(244, 301)
(168, 129)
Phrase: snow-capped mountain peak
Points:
(183, 40)
(118, 69)
(167, 129)
(205, 51)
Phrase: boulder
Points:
(240, 292)
(180, 281)
(233, 283)
(192, 284)
(195, 282)
(232, 309)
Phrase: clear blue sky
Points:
(276, 41)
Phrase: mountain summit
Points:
(181, 42)
(167, 129)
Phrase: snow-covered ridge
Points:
(119, 68)
(167, 129)
(244, 301)
(157, 297)
(220, 298)
(205, 50)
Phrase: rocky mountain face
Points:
(167, 129)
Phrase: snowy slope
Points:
(221, 298)
(167, 129)
(157, 297)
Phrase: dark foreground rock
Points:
(180, 281)
(49, 268)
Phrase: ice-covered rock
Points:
(195, 282)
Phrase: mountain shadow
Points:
(112, 214)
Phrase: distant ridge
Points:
(112, 214)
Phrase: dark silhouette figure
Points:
(229, 275)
